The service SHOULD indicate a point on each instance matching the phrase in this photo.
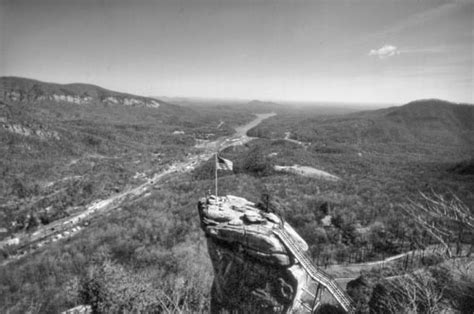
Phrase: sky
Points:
(360, 51)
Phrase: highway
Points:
(70, 226)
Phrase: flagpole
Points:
(215, 166)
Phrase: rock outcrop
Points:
(260, 262)
(307, 172)
(28, 130)
(81, 99)
(21, 90)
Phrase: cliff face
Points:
(255, 271)
(26, 127)
(13, 89)
(28, 130)
(81, 100)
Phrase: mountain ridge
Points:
(419, 126)
(20, 89)
(435, 109)
(428, 120)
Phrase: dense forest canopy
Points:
(149, 253)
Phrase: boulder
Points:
(255, 272)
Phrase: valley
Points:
(61, 229)
(111, 198)
(338, 137)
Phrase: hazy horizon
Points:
(358, 52)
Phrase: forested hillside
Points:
(149, 254)
(58, 154)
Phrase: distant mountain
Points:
(433, 113)
(50, 111)
(86, 142)
(27, 90)
(424, 121)
(424, 125)
(262, 106)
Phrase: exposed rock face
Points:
(14, 89)
(28, 131)
(307, 172)
(256, 271)
(82, 100)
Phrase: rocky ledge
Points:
(255, 269)
(19, 96)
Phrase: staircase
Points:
(316, 274)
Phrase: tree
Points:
(411, 293)
(441, 217)
(360, 290)
(257, 163)
(111, 288)
(20, 188)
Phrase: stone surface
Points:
(254, 271)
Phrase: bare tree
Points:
(441, 217)
(410, 293)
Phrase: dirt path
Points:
(347, 272)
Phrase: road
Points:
(238, 138)
(69, 226)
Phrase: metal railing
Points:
(316, 274)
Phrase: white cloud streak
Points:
(385, 52)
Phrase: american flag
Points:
(223, 164)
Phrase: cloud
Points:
(385, 52)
